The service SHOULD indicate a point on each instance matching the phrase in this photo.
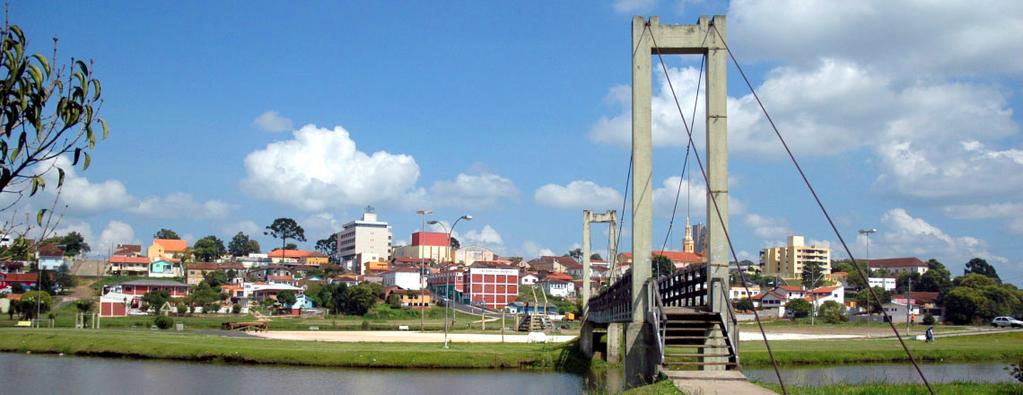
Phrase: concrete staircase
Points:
(688, 332)
(535, 323)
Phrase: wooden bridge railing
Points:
(686, 287)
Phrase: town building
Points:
(559, 288)
(127, 265)
(788, 261)
(280, 256)
(472, 254)
(558, 264)
(529, 279)
(404, 278)
(364, 240)
(888, 283)
(197, 271)
(166, 268)
(738, 292)
(142, 287)
(493, 286)
(447, 282)
(50, 257)
(819, 295)
(167, 249)
(435, 246)
(410, 298)
(680, 259)
(896, 266)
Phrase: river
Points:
(51, 374)
(985, 372)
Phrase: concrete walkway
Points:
(402, 337)
(726, 382)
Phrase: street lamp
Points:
(447, 276)
(422, 274)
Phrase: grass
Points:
(903, 389)
(821, 326)
(199, 347)
(663, 387)
(992, 347)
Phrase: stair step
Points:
(700, 363)
(676, 345)
(694, 355)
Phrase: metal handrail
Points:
(733, 334)
(657, 316)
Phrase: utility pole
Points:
(909, 292)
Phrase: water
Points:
(987, 372)
(49, 374)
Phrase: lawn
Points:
(903, 389)
(200, 347)
(992, 347)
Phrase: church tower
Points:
(687, 242)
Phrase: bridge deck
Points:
(726, 382)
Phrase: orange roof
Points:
(171, 245)
(674, 256)
(129, 259)
(281, 278)
(824, 290)
(558, 276)
(791, 288)
(14, 297)
(289, 253)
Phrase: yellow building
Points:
(166, 249)
(787, 262)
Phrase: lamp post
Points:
(422, 274)
(866, 233)
(447, 287)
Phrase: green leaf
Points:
(60, 177)
(90, 135)
(36, 74)
(86, 161)
(106, 131)
(78, 154)
(96, 86)
(40, 215)
(37, 182)
(42, 60)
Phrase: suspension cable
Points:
(685, 162)
(713, 201)
(824, 210)
(621, 221)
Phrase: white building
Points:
(559, 288)
(818, 296)
(364, 240)
(887, 283)
(737, 292)
(894, 266)
(404, 278)
(529, 279)
(472, 254)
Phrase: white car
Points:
(1002, 322)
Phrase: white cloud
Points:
(248, 227)
(322, 168)
(579, 194)
(633, 6)
(914, 37)
(965, 171)
(531, 249)
(474, 191)
(82, 195)
(664, 198)
(173, 205)
(905, 235)
(485, 236)
(767, 228)
(115, 233)
(1011, 212)
(320, 225)
(271, 121)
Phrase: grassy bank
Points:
(993, 347)
(199, 347)
(903, 389)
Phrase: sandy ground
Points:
(401, 337)
(755, 335)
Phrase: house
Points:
(923, 302)
(888, 283)
(13, 267)
(679, 258)
(770, 299)
(410, 298)
(288, 280)
(128, 250)
(142, 287)
(349, 279)
(818, 296)
(165, 268)
(559, 264)
(128, 265)
(377, 266)
(115, 304)
(529, 279)
(738, 292)
(405, 278)
(895, 266)
(262, 291)
(197, 271)
(50, 257)
(558, 287)
(791, 291)
(167, 249)
(280, 256)
(314, 259)
(27, 280)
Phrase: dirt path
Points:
(401, 337)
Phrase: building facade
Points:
(364, 240)
(435, 246)
(787, 262)
(895, 266)
(404, 278)
(491, 285)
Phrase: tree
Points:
(163, 322)
(854, 280)
(254, 247)
(28, 305)
(980, 266)
(166, 234)
(576, 253)
(216, 278)
(64, 278)
(936, 279)
(864, 299)
(744, 304)
(394, 301)
(339, 298)
(291, 246)
(156, 299)
(455, 244)
(328, 246)
(203, 294)
(284, 229)
(813, 274)
(208, 249)
(798, 307)
(35, 139)
(83, 305)
(661, 265)
(286, 299)
(360, 299)
(974, 280)
(241, 245)
(962, 304)
(596, 257)
(832, 312)
(73, 244)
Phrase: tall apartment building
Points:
(364, 240)
(787, 262)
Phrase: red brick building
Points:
(492, 285)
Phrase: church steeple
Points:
(687, 242)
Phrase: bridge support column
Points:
(717, 183)
(614, 343)
(586, 339)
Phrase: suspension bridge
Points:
(680, 324)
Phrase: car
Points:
(1001, 322)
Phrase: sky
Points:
(226, 115)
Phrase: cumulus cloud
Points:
(115, 233)
(81, 194)
(474, 191)
(905, 235)
(173, 205)
(633, 6)
(1011, 212)
(486, 236)
(966, 171)
(767, 228)
(322, 168)
(232, 228)
(531, 249)
(578, 194)
(271, 121)
(320, 225)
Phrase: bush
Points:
(210, 308)
(182, 309)
(365, 325)
(163, 322)
(1016, 371)
(798, 307)
(236, 308)
(832, 312)
(744, 304)
(929, 319)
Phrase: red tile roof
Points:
(138, 260)
(674, 256)
(897, 262)
(289, 253)
(171, 245)
(792, 288)
(923, 297)
(22, 277)
(280, 278)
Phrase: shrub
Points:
(236, 308)
(798, 307)
(182, 309)
(832, 312)
(163, 322)
(744, 304)
(365, 325)
(210, 308)
(929, 319)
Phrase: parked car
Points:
(1001, 322)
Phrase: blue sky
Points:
(226, 115)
